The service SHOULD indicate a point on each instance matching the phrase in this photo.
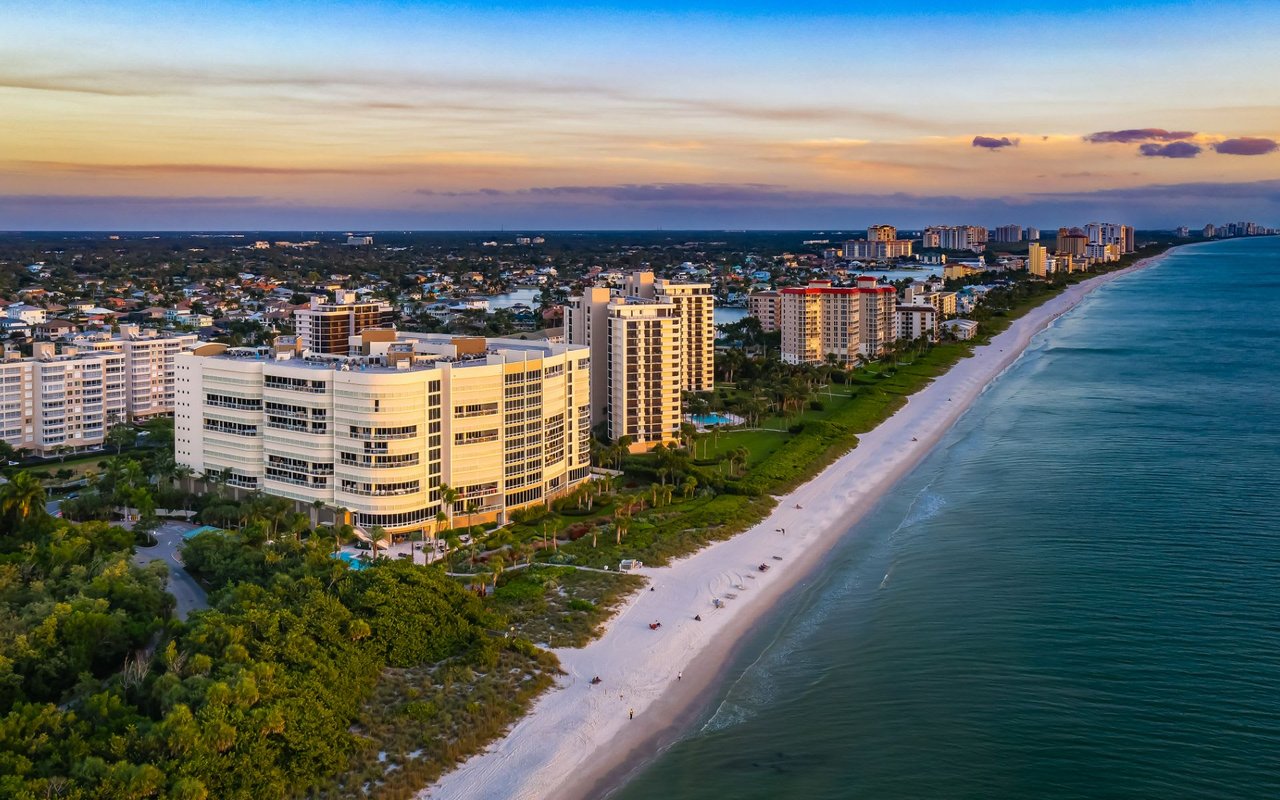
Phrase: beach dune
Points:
(580, 740)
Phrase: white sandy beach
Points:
(578, 740)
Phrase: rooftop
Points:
(407, 352)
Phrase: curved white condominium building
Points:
(504, 422)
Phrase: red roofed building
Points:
(848, 322)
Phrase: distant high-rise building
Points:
(1038, 260)
(327, 327)
(1105, 233)
(1103, 252)
(882, 233)
(955, 237)
(1033, 234)
(1182, 232)
(1008, 233)
(1071, 241)
(848, 322)
(877, 250)
(648, 344)
(358, 241)
(697, 309)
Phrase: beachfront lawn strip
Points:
(562, 606)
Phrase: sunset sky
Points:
(379, 115)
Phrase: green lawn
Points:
(761, 444)
(79, 466)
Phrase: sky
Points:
(384, 115)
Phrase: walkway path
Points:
(190, 596)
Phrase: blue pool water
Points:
(710, 420)
(353, 561)
(191, 534)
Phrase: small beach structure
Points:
(629, 565)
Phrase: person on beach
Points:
(631, 714)
(679, 675)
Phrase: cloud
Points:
(1171, 150)
(185, 169)
(684, 206)
(96, 200)
(1138, 135)
(648, 193)
(411, 90)
(992, 143)
(1246, 146)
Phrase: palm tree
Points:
(448, 496)
(472, 507)
(343, 534)
(22, 498)
(316, 507)
(451, 545)
(182, 475)
(377, 534)
(690, 486)
(496, 565)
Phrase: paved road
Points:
(52, 507)
(188, 593)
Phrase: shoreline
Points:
(577, 740)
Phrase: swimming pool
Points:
(353, 561)
(712, 420)
(197, 531)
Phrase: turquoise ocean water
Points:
(1077, 595)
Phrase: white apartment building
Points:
(32, 315)
(376, 432)
(1102, 252)
(962, 329)
(149, 366)
(1008, 233)
(955, 237)
(916, 321)
(877, 249)
(648, 344)
(71, 398)
(1104, 233)
(820, 320)
(882, 233)
(61, 400)
(943, 302)
(766, 307)
(18, 402)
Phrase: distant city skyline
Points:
(536, 115)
